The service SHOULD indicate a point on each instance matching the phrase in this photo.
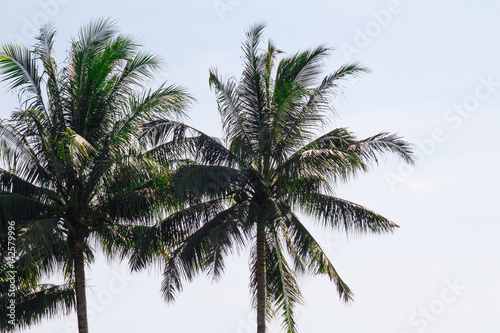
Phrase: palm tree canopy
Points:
(75, 161)
(270, 165)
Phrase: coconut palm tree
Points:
(74, 164)
(247, 189)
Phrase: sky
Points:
(435, 80)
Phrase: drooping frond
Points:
(313, 255)
(16, 207)
(282, 287)
(42, 243)
(145, 245)
(34, 304)
(176, 141)
(136, 190)
(13, 184)
(205, 249)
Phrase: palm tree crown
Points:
(272, 165)
(75, 153)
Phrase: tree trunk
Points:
(81, 299)
(261, 278)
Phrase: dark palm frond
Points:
(16, 207)
(212, 181)
(136, 189)
(144, 245)
(205, 249)
(43, 242)
(11, 183)
(32, 304)
(282, 287)
(313, 255)
(327, 157)
(344, 215)
(180, 224)
(20, 158)
(175, 140)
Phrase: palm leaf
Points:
(312, 253)
(344, 215)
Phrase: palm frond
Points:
(383, 143)
(55, 84)
(197, 181)
(234, 124)
(16, 207)
(42, 243)
(173, 140)
(19, 157)
(306, 117)
(312, 253)
(18, 66)
(205, 249)
(344, 215)
(282, 287)
(34, 304)
(302, 68)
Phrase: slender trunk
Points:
(261, 278)
(81, 299)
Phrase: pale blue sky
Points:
(430, 59)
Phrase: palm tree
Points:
(75, 165)
(248, 190)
